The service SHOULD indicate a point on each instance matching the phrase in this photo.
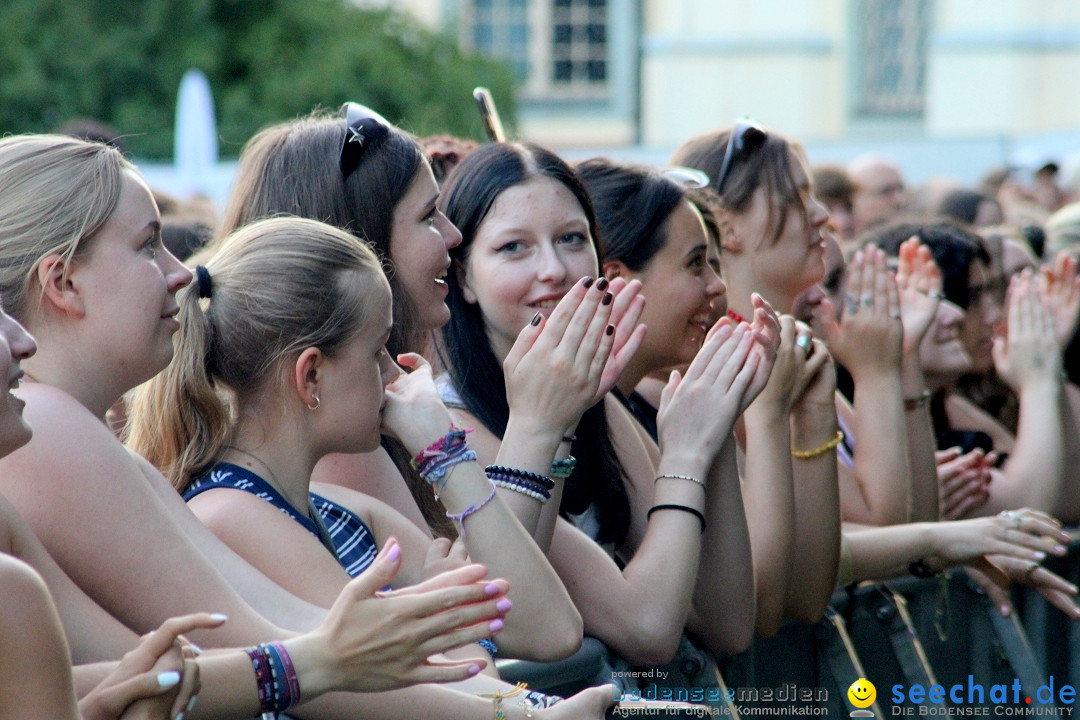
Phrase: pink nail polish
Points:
(395, 554)
(495, 625)
(504, 605)
(491, 589)
(473, 670)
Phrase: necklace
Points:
(313, 514)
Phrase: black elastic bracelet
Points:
(684, 508)
(921, 570)
(514, 472)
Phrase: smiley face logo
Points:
(862, 693)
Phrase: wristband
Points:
(682, 508)
(918, 401)
(806, 454)
(920, 569)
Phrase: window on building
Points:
(558, 48)
(890, 57)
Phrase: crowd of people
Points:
(413, 406)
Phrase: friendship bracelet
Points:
(498, 696)
(564, 467)
(264, 682)
(434, 472)
(806, 454)
(454, 438)
(919, 401)
(547, 482)
(680, 477)
(459, 518)
(683, 508)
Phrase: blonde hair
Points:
(55, 192)
(277, 286)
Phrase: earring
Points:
(316, 405)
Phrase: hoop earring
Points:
(316, 405)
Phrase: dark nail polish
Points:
(536, 319)
(602, 284)
(607, 299)
(588, 282)
(610, 330)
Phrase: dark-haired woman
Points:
(381, 188)
(1027, 356)
(529, 235)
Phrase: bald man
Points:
(879, 191)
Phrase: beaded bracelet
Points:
(459, 518)
(547, 482)
(564, 467)
(522, 486)
(682, 508)
(680, 477)
(806, 454)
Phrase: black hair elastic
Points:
(202, 275)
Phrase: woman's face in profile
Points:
(15, 345)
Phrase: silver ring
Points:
(852, 304)
(804, 341)
(1012, 516)
(936, 295)
(895, 314)
(867, 300)
(1031, 569)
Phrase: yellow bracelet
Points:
(498, 696)
(805, 454)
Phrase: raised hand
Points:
(158, 668)
(698, 410)
(963, 481)
(557, 365)
(869, 335)
(765, 327)
(1059, 287)
(918, 279)
(1029, 351)
(373, 640)
(414, 413)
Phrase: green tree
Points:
(267, 60)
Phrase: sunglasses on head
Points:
(745, 137)
(362, 126)
(685, 177)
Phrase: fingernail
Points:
(219, 617)
(1059, 549)
(504, 605)
(473, 670)
(602, 284)
(195, 648)
(536, 319)
(495, 625)
(168, 679)
(395, 554)
(1040, 555)
(179, 715)
(607, 298)
(610, 330)
(1005, 611)
(191, 703)
(587, 282)
(491, 589)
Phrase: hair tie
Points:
(203, 276)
